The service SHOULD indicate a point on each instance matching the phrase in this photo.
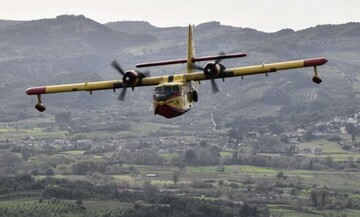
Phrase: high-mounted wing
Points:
(91, 86)
(86, 86)
(130, 78)
(215, 71)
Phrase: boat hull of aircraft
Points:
(168, 111)
(171, 100)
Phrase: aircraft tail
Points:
(190, 51)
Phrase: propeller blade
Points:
(222, 53)
(214, 86)
(122, 94)
(146, 73)
(199, 67)
(118, 68)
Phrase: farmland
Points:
(202, 167)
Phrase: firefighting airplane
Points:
(175, 94)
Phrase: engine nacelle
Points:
(132, 78)
(213, 70)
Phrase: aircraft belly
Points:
(172, 107)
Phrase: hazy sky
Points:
(265, 15)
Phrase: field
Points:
(36, 133)
(288, 211)
(217, 182)
(66, 208)
(328, 149)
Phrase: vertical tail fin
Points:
(190, 50)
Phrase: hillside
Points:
(75, 48)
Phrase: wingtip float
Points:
(174, 95)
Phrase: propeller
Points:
(118, 68)
(214, 86)
(128, 77)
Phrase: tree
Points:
(350, 161)
(269, 144)
(49, 172)
(87, 167)
(329, 161)
(290, 150)
(280, 175)
(311, 165)
(234, 185)
(148, 156)
(294, 191)
(350, 128)
(206, 156)
(190, 156)
(148, 187)
(322, 128)
(247, 211)
(79, 202)
(176, 177)
(308, 136)
(203, 143)
(319, 197)
(314, 198)
(276, 128)
(284, 138)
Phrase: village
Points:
(331, 129)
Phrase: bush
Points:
(234, 186)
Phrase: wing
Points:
(90, 86)
(196, 76)
(260, 69)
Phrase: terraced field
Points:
(303, 96)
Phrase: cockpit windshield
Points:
(167, 89)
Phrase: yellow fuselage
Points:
(172, 99)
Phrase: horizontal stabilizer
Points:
(196, 59)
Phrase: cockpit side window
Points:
(167, 89)
(159, 89)
(176, 88)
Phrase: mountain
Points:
(131, 26)
(70, 49)
(6, 23)
(68, 32)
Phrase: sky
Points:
(264, 15)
